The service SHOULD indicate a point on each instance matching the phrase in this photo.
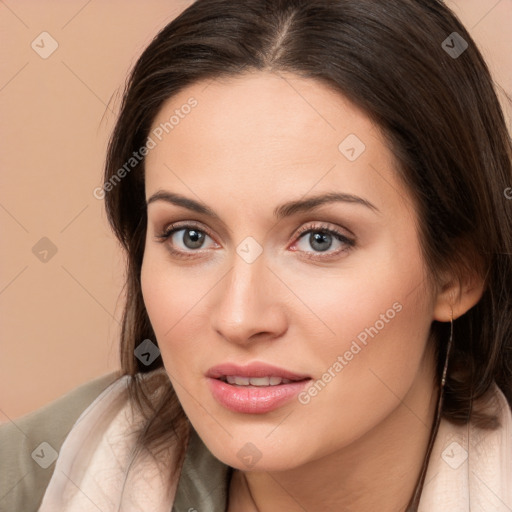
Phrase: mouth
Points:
(257, 388)
(236, 380)
(255, 374)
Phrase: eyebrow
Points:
(285, 210)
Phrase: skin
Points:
(252, 143)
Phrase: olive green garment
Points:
(26, 465)
(204, 480)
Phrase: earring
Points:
(448, 350)
(415, 499)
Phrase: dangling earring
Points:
(415, 500)
(448, 350)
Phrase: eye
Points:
(321, 239)
(185, 239)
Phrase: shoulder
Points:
(31, 444)
(472, 465)
(101, 464)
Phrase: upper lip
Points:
(255, 369)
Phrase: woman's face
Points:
(261, 272)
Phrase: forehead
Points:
(263, 108)
(268, 133)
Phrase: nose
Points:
(247, 303)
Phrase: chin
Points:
(248, 452)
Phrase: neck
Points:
(379, 471)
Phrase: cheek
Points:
(377, 295)
(173, 300)
(381, 319)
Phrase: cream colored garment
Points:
(90, 470)
(469, 470)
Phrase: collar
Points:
(470, 469)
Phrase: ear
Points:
(458, 297)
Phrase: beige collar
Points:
(470, 470)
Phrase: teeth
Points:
(256, 381)
(239, 381)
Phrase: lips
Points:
(257, 388)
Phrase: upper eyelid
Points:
(298, 233)
(179, 225)
(182, 224)
(319, 225)
(335, 232)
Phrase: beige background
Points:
(60, 317)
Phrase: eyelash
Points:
(322, 228)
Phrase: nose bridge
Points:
(246, 305)
(243, 289)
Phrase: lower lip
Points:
(252, 399)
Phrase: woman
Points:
(312, 199)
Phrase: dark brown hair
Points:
(441, 118)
